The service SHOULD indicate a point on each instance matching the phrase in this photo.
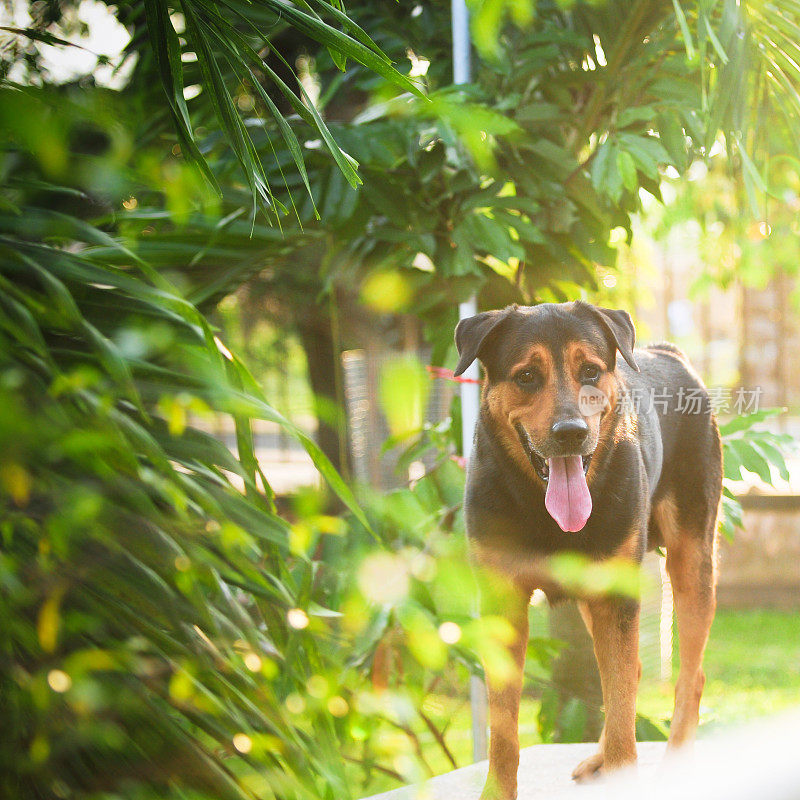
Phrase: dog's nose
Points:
(570, 432)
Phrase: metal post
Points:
(470, 392)
(470, 403)
(470, 395)
(461, 42)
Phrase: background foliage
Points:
(168, 631)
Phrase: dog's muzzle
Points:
(539, 463)
(567, 497)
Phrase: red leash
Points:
(447, 375)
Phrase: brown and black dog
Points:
(548, 473)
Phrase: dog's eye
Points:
(527, 378)
(589, 373)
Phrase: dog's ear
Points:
(619, 327)
(471, 334)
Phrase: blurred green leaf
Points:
(404, 390)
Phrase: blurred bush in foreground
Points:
(155, 629)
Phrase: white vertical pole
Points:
(470, 406)
(461, 42)
(470, 395)
(470, 392)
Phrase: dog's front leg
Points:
(504, 680)
(614, 625)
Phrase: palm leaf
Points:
(226, 58)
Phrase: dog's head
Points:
(550, 381)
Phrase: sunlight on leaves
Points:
(387, 292)
(404, 390)
(383, 578)
(579, 574)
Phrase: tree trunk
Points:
(325, 377)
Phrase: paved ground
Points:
(544, 772)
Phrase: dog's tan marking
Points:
(691, 564)
(579, 353)
(537, 356)
(632, 548)
(509, 403)
(614, 626)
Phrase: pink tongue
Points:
(568, 500)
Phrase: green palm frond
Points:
(230, 52)
(232, 44)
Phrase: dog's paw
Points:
(588, 769)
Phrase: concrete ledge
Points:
(544, 772)
(756, 762)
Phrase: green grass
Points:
(752, 667)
